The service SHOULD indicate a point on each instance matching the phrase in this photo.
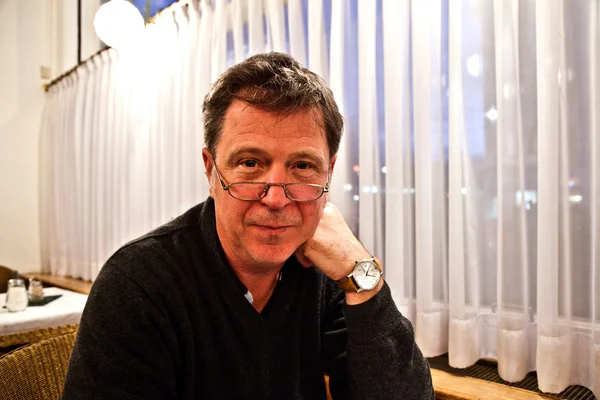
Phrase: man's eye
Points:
(249, 163)
(303, 165)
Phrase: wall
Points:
(33, 33)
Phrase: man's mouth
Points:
(273, 228)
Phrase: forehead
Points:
(249, 127)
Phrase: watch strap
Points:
(348, 284)
(378, 263)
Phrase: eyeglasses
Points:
(253, 191)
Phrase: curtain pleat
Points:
(340, 188)
(202, 86)
(317, 47)
(399, 204)
(514, 359)
(276, 19)
(430, 224)
(463, 346)
(370, 199)
(296, 29)
(552, 341)
(256, 33)
(237, 28)
(187, 145)
(220, 28)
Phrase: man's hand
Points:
(333, 248)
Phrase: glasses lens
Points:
(304, 192)
(247, 191)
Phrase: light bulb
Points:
(118, 23)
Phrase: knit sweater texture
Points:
(167, 319)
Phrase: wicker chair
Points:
(12, 341)
(38, 370)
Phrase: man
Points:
(241, 297)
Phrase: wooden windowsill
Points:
(452, 387)
(73, 284)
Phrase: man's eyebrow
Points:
(236, 154)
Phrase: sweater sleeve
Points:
(370, 351)
(121, 350)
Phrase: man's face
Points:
(259, 146)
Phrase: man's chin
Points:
(273, 256)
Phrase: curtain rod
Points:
(69, 72)
(151, 20)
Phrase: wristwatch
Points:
(365, 276)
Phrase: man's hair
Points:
(272, 82)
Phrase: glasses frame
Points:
(267, 186)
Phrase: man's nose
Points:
(276, 197)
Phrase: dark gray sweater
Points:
(167, 318)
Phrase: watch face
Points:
(367, 275)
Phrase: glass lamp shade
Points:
(118, 23)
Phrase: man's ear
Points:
(331, 166)
(208, 167)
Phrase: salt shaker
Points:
(16, 296)
(36, 290)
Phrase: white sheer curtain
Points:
(505, 124)
(469, 162)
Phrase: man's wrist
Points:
(353, 299)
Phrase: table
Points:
(62, 311)
(64, 282)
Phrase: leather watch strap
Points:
(378, 263)
(348, 285)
